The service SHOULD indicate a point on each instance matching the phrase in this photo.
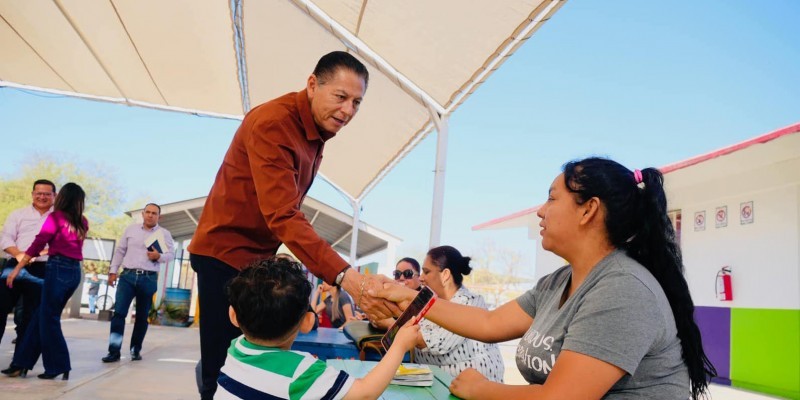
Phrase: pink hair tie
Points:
(637, 176)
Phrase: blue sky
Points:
(645, 83)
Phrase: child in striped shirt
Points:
(269, 303)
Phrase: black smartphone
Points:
(417, 309)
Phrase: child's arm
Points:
(376, 381)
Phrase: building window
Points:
(675, 218)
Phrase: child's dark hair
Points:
(450, 258)
(270, 298)
(637, 222)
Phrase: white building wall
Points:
(763, 255)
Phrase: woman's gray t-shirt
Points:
(619, 315)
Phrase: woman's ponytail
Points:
(637, 222)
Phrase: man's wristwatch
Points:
(339, 278)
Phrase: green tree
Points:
(104, 197)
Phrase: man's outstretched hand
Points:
(376, 308)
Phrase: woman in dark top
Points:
(337, 306)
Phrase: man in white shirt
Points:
(139, 279)
(19, 230)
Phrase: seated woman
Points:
(617, 321)
(407, 273)
(443, 271)
(337, 306)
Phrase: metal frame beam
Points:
(437, 210)
(354, 43)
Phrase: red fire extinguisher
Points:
(724, 287)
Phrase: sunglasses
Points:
(408, 274)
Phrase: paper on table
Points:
(412, 369)
(413, 375)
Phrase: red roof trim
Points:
(507, 217)
(731, 149)
(795, 128)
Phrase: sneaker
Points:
(111, 357)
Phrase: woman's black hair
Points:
(450, 258)
(70, 201)
(414, 263)
(637, 222)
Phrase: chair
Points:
(367, 339)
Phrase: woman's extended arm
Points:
(507, 322)
(574, 376)
(315, 297)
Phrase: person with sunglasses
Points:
(407, 273)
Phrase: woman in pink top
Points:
(63, 232)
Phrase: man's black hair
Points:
(331, 62)
(270, 298)
(44, 182)
(153, 204)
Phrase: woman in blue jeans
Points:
(63, 232)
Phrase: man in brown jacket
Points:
(254, 205)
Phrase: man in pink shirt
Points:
(19, 230)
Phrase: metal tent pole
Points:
(354, 236)
(439, 174)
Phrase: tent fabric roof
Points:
(331, 225)
(219, 58)
(730, 159)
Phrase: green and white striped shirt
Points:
(257, 372)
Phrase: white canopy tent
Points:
(218, 58)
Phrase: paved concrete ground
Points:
(166, 372)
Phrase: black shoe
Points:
(14, 341)
(111, 357)
(135, 356)
(53, 376)
(14, 372)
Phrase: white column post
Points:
(439, 174)
(354, 236)
(391, 256)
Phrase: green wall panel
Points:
(765, 351)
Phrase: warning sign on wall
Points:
(746, 212)
(700, 220)
(721, 217)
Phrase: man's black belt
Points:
(138, 271)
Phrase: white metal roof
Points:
(219, 57)
(333, 226)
